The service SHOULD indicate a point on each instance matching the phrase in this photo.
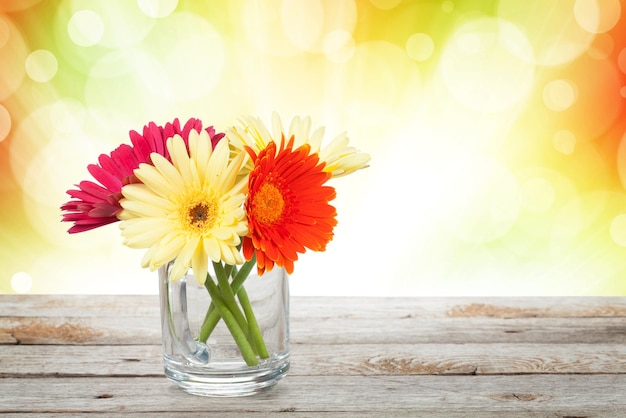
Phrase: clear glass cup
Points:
(215, 367)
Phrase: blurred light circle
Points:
(487, 65)
(5, 123)
(183, 67)
(588, 217)
(385, 4)
(41, 65)
(420, 46)
(618, 230)
(286, 28)
(110, 23)
(537, 195)
(597, 16)
(302, 21)
(12, 50)
(559, 95)
(262, 25)
(621, 161)
(17, 5)
(481, 199)
(447, 6)
(67, 115)
(85, 28)
(602, 47)
(379, 84)
(621, 60)
(31, 135)
(564, 141)
(550, 27)
(5, 31)
(544, 192)
(21, 282)
(339, 46)
(157, 8)
(121, 89)
(598, 102)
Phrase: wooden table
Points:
(351, 357)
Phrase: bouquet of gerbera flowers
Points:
(196, 196)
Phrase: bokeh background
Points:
(496, 130)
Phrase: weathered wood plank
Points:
(560, 395)
(79, 305)
(80, 330)
(340, 330)
(334, 360)
(329, 307)
(366, 357)
(288, 413)
(460, 330)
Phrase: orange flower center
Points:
(268, 203)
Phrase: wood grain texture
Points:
(555, 394)
(333, 360)
(366, 357)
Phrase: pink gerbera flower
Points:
(97, 204)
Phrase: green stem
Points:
(242, 274)
(253, 326)
(228, 295)
(212, 316)
(239, 336)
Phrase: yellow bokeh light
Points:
(621, 161)
(602, 47)
(380, 84)
(603, 101)
(67, 115)
(481, 202)
(488, 59)
(5, 31)
(621, 60)
(183, 60)
(618, 230)
(339, 46)
(41, 65)
(85, 28)
(157, 8)
(302, 21)
(262, 24)
(21, 282)
(5, 123)
(564, 141)
(118, 91)
(597, 16)
(447, 6)
(550, 27)
(559, 95)
(286, 28)
(117, 23)
(420, 46)
(12, 49)
(385, 4)
(537, 195)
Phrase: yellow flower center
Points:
(268, 203)
(199, 214)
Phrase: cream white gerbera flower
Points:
(189, 210)
(340, 159)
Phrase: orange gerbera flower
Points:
(287, 206)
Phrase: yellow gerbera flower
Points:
(189, 210)
(339, 158)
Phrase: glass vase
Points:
(209, 361)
